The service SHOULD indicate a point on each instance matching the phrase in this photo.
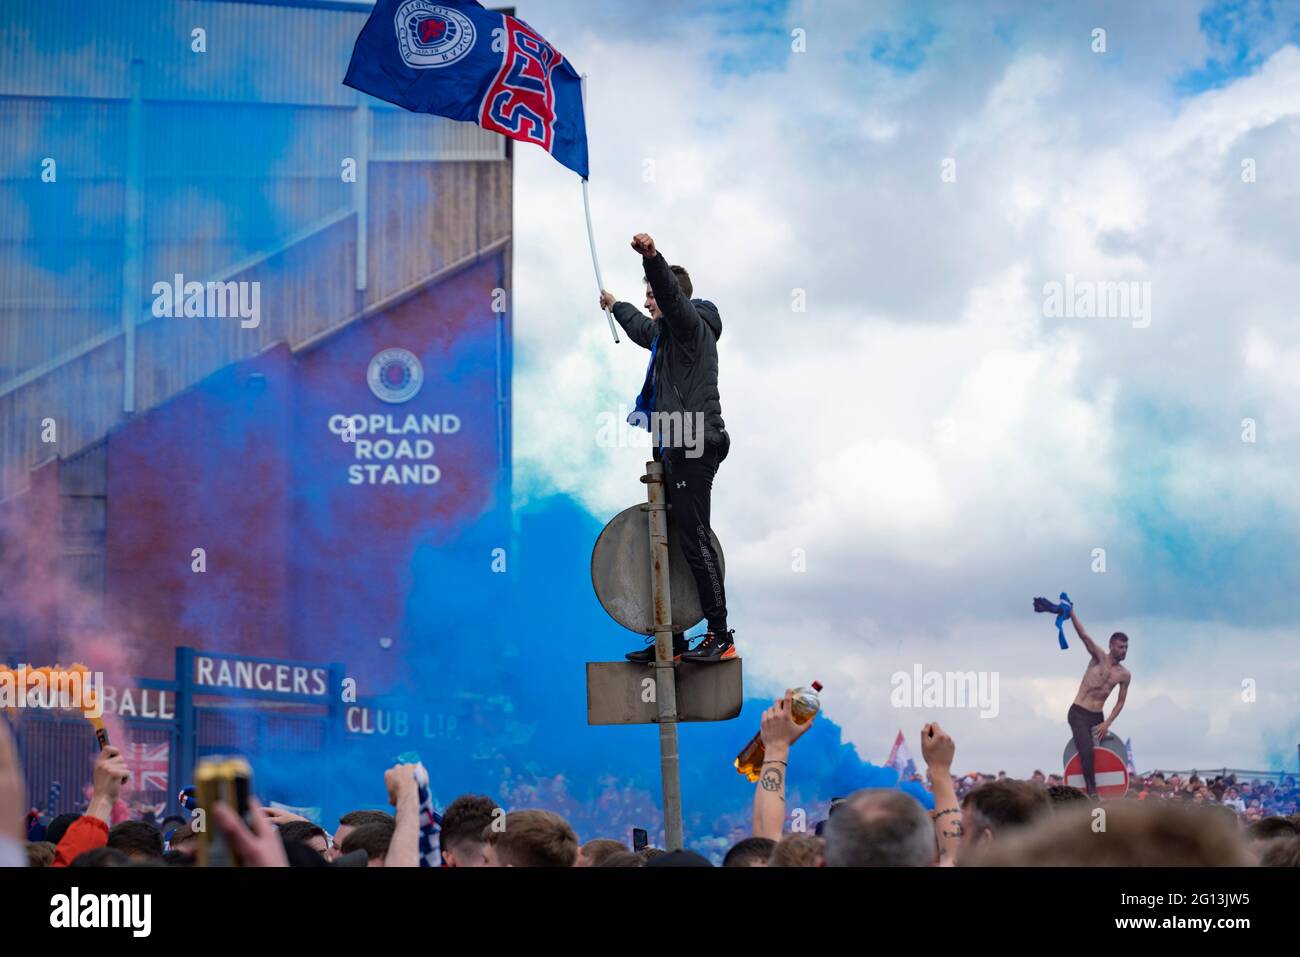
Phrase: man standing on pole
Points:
(679, 405)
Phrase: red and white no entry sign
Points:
(1111, 766)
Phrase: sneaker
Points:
(646, 656)
(714, 648)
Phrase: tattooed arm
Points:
(779, 731)
(769, 797)
(937, 748)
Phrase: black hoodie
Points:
(686, 363)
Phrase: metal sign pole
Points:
(665, 683)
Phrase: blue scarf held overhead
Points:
(1062, 612)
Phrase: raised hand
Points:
(778, 727)
(400, 781)
(937, 747)
(110, 773)
(643, 244)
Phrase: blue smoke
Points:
(485, 678)
(496, 659)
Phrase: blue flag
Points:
(456, 59)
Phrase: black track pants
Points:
(689, 486)
(1082, 721)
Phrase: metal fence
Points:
(1209, 774)
(57, 749)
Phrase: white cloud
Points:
(940, 449)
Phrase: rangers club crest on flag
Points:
(429, 35)
(458, 60)
(149, 765)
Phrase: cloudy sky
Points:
(937, 443)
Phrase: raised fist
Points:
(937, 746)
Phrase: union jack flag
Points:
(149, 765)
(900, 758)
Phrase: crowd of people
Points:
(977, 819)
(1253, 800)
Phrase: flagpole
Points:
(591, 234)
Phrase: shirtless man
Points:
(1104, 672)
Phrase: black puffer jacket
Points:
(687, 359)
